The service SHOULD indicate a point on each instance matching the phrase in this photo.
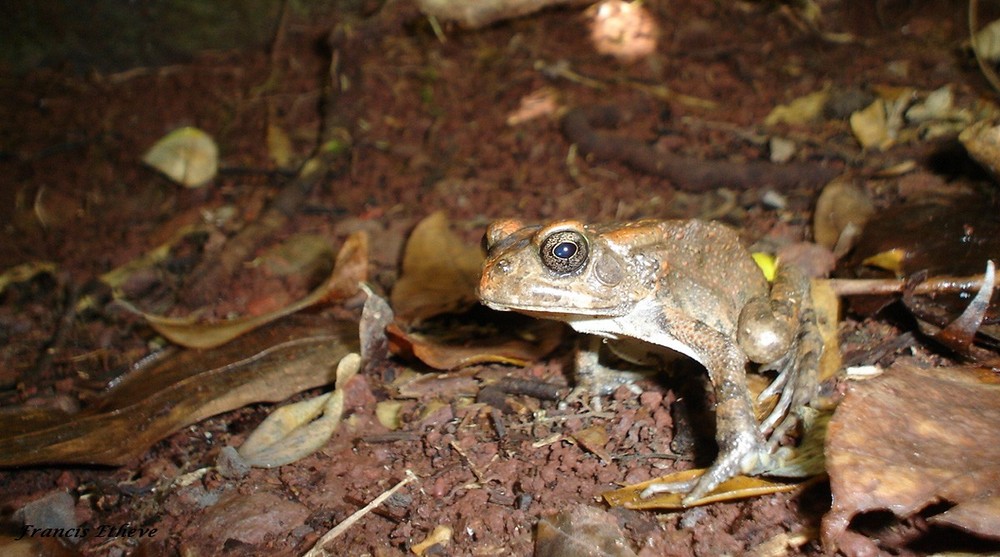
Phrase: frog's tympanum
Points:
(686, 285)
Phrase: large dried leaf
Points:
(270, 364)
(440, 272)
(913, 437)
(350, 269)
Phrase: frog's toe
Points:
(669, 487)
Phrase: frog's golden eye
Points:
(564, 251)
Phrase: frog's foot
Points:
(584, 396)
(746, 454)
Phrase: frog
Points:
(683, 285)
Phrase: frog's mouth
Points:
(546, 311)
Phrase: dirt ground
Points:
(428, 118)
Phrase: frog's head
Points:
(560, 271)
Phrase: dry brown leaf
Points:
(440, 272)
(267, 365)
(913, 437)
(594, 438)
(740, 487)
(947, 237)
(375, 317)
(446, 386)
(350, 269)
(581, 531)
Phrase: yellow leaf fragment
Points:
(279, 146)
(890, 260)
(870, 126)
(768, 264)
(803, 110)
(441, 537)
(387, 413)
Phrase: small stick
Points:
(318, 549)
(881, 287)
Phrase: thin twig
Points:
(319, 550)
(882, 287)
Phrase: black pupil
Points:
(564, 250)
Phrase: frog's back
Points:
(710, 258)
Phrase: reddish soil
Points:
(428, 120)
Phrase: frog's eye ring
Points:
(565, 251)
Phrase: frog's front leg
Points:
(772, 331)
(599, 378)
(741, 445)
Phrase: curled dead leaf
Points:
(803, 110)
(594, 438)
(297, 430)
